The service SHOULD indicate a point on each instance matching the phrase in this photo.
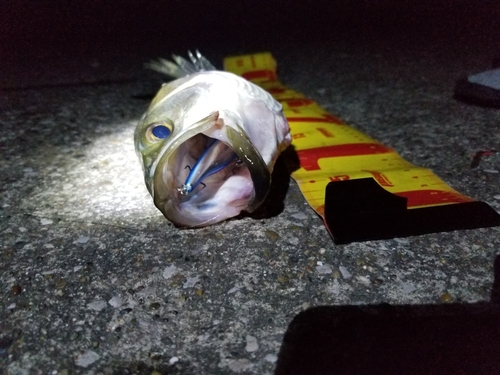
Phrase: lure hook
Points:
(190, 184)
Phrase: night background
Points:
(40, 36)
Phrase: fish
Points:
(208, 142)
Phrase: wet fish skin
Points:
(197, 108)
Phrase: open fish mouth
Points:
(205, 180)
(202, 165)
(213, 164)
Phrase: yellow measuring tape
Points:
(329, 150)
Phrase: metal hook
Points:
(190, 184)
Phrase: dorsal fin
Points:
(181, 67)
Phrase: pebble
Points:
(324, 269)
(335, 288)
(271, 358)
(282, 279)
(239, 365)
(46, 221)
(364, 280)
(60, 283)
(87, 358)
(115, 301)
(252, 344)
(96, 305)
(490, 170)
(272, 235)
(173, 360)
(495, 196)
(233, 289)
(83, 239)
(446, 297)
(190, 282)
(407, 287)
(345, 273)
(169, 271)
(299, 216)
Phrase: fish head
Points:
(200, 166)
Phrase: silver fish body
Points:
(208, 144)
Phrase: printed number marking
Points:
(342, 177)
(325, 132)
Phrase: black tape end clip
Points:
(362, 210)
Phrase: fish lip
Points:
(248, 153)
(239, 142)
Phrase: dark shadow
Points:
(475, 94)
(354, 208)
(479, 95)
(385, 339)
(495, 288)
(145, 97)
(274, 204)
(78, 84)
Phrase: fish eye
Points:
(159, 131)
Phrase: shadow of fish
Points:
(208, 143)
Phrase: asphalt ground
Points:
(94, 280)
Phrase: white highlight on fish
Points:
(208, 143)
